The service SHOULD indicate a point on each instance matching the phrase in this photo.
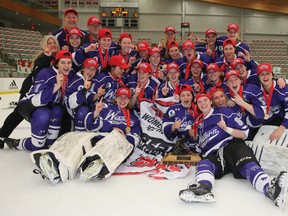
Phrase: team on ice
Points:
(98, 106)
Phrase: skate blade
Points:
(48, 168)
(281, 199)
(91, 171)
(189, 197)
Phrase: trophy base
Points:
(172, 158)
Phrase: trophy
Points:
(181, 155)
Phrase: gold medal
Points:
(266, 116)
(128, 129)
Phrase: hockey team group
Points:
(87, 99)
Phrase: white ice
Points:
(24, 193)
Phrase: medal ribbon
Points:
(126, 113)
(268, 98)
(126, 57)
(197, 122)
(104, 61)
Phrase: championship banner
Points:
(23, 65)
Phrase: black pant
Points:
(15, 118)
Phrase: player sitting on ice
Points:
(220, 139)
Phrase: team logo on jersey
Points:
(108, 86)
(275, 109)
(171, 113)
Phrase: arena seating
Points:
(15, 45)
(273, 51)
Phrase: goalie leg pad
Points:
(113, 149)
(48, 166)
(90, 168)
(272, 155)
(71, 147)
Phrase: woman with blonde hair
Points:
(43, 59)
(169, 35)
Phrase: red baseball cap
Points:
(118, 61)
(153, 50)
(73, 31)
(143, 45)
(170, 28)
(231, 73)
(210, 31)
(229, 41)
(171, 44)
(264, 67)
(198, 61)
(123, 91)
(235, 62)
(94, 20)
(203, 94)
(185, 87)
(233, 26)
(212, 66)
(145, 67)
(63, 54)
(104, 33)
(90, 62)
(125, 35)
(216, 89)
(70, 10)
(188, 43)
(172, 65)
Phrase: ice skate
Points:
(91, 171)
(277, 189)
(48, 167)
(197, 193)
(11, 143)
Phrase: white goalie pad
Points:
(272, 155)
(66, 153)
(112, 150)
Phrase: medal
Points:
(268, 99)
(126, 113)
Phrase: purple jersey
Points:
(254, 96)
(171, 89)
(210, 136)
(240, 46)
(110, 84)
(279, 104)
(182, 62)
(202, 49)
(149, 89)
(174, 113)
(111, 117)
(61, 33)
(252, 78)
(79, 56)
(41, 92)
(75, 94)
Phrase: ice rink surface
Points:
(26, 194)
